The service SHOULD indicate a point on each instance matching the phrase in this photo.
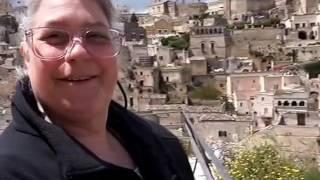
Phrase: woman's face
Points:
(79, 82)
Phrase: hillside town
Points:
(241, 71)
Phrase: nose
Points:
(76, 50)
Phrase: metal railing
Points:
(204, 154)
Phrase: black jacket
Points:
(33, 149)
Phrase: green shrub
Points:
(263, 162)
(313, 174)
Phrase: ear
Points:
(24, 49)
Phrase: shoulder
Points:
(23, 156)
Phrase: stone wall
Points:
(236, 130)
(257, 38)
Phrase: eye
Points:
(57, 38)
(102, 37)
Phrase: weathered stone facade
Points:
(210, 41)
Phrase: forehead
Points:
(69, 13)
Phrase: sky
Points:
(137, 5)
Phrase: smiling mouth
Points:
(78, 79)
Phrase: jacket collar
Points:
(143, 146)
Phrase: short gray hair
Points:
(33, 6)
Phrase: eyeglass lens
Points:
(51, 43)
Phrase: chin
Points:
(85, 106)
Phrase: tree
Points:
(263, 162)
(176, 42)
(227, 106)
(10, 23)
(134, 18)
(209, 92)
(313, 69)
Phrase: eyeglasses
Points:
(50, 44)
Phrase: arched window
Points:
(294, 103)
(302, 103)
(286, 103)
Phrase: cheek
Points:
(41, 73)
(110, 68)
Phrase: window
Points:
(302, 104)
(302, 35)
(286, 103)
(212, 47)
(241, 104)
(131, 101)
(279, 103)
(294, 103)
(251, 97)
(262, 99)
(203, 47)
(221, 85)
(141, 73)
(297, 26)
(303, 25)
(141, 83)
(222, 133)
(265, 110)
(312, 24)
(167, 79)
(161, 58)
(301, 119)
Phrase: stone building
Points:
(216, 7)
(198, 65)
(192, 9)
(5, 7)
(210, 41)
(175, 75)
(165, 55)
(244, 88)
(264, 105)
(147, 79)
(236, 9)
(218, 126)
(309, 6)
(163, 7)
(291, 106)
(160, 27)
(137, 51)
(264, 40)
